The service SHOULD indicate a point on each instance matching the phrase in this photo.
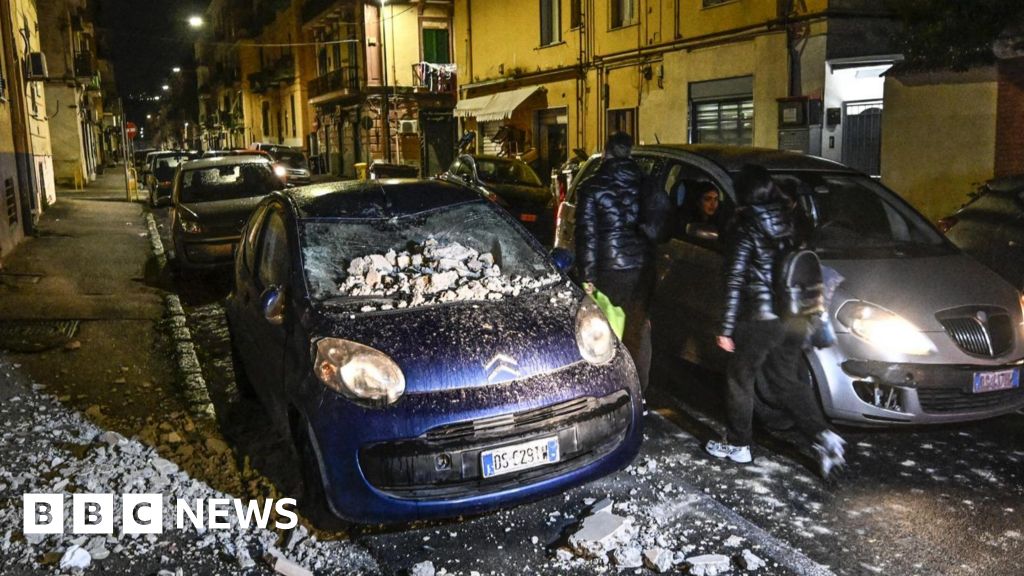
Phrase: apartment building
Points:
(816, 76)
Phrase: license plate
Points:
(508, 459)
(992, 381)
(528, 217)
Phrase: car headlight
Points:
(358, 372)
(883, 329)
(190, 227)
(593, 334)
(280, 171)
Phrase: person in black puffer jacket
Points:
(612, 252)
(763, 343)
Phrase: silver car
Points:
(925, 333)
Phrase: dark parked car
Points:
(160, 179)
(926, 334)
(991, 227)
(211, 201)
(381, 325)
(291, 164)
(513, 185)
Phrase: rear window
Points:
(228, 182)
(291, 158)
(498, 171)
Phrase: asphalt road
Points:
(946, 500)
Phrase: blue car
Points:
(423, 354)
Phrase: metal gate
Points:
(862, 136)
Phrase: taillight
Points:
(946, 223)
(561, 190)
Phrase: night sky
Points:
(146, 38)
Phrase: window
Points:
(273, 266)
(575, 13)
(248, 246)
(550, 22)
(622, 121)
(266, 119)
(294, 117)
(729, 122)
(623, 13)
(435, 46)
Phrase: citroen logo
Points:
(982, 316)
(501, 364)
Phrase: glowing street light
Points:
(195, 21)
(176, 69)
(149, 116)
(165, 87)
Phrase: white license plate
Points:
(992, 381)
(508, 459)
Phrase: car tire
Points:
(313, 500)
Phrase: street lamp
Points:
(176, 69)
(165, 87)
(149, 116)
(195, 21)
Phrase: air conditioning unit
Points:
(408, 126)
(35, 67)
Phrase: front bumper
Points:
(381, 465)
(910, 393)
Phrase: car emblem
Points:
(981, 316)
(501, 364)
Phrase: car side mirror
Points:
(272, 304)
(702, 231)
(562, 259)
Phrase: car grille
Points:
(989, 336)
(587, 429)
(945, 400)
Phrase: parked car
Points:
(292, 165)
(926, 334)
(211, 201)
(160, 179)
(139, 157)
(513, 185)
(991, 227)
(565, 214)
(237, 152)
(405, 409)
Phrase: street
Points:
(942, 500)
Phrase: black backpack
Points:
(799, 283)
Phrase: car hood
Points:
(222, 216)
(466, 344)
(521, 197)
(917, 288)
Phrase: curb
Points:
(190, 372)
(154, 240)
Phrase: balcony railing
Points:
(85, 65)
(434, 78)
(342, 79)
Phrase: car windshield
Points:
(854, 216)
(228, 182)
(292, 158)
(501, 171)
(165, 165)
(457, 253)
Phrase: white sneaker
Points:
(739, 454)
(830, 448)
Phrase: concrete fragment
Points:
(422, 569)
(604, 505)
(216, 445)
(564, 554)
(708, 564)
(628, 557)
(75, 558)
(599, 534)
(164, 467)
(110, 438)
(284, 566)
(658, 560)
(733, 541)
(751, 561)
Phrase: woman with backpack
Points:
(767, 320)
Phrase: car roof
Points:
(491, 157)
(733, 158)
(376, 198)
(218, 161)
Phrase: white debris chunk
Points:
(423, 569)
(708, 564)
(111, 438)
(605, 505)
(284, 566)
(564, 554)
(751, 561)
(733, 541)
(658, 560)
(599, 534)
(74, 558)
(628, 557)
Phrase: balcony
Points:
(434, 78)
(344, 79)
(281, 71)
(85, 65)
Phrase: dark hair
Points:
(619, 145)
(754, 185)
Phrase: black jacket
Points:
(761, 233)
(608, 235)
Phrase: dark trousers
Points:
(631, 289)
(772, 349)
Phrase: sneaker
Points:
(739, 454)
(830, 450)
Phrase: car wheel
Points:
(313, 500)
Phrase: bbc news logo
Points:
(144, 513)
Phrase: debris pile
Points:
(432, 273)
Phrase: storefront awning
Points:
(468, 108)
(504, 104)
